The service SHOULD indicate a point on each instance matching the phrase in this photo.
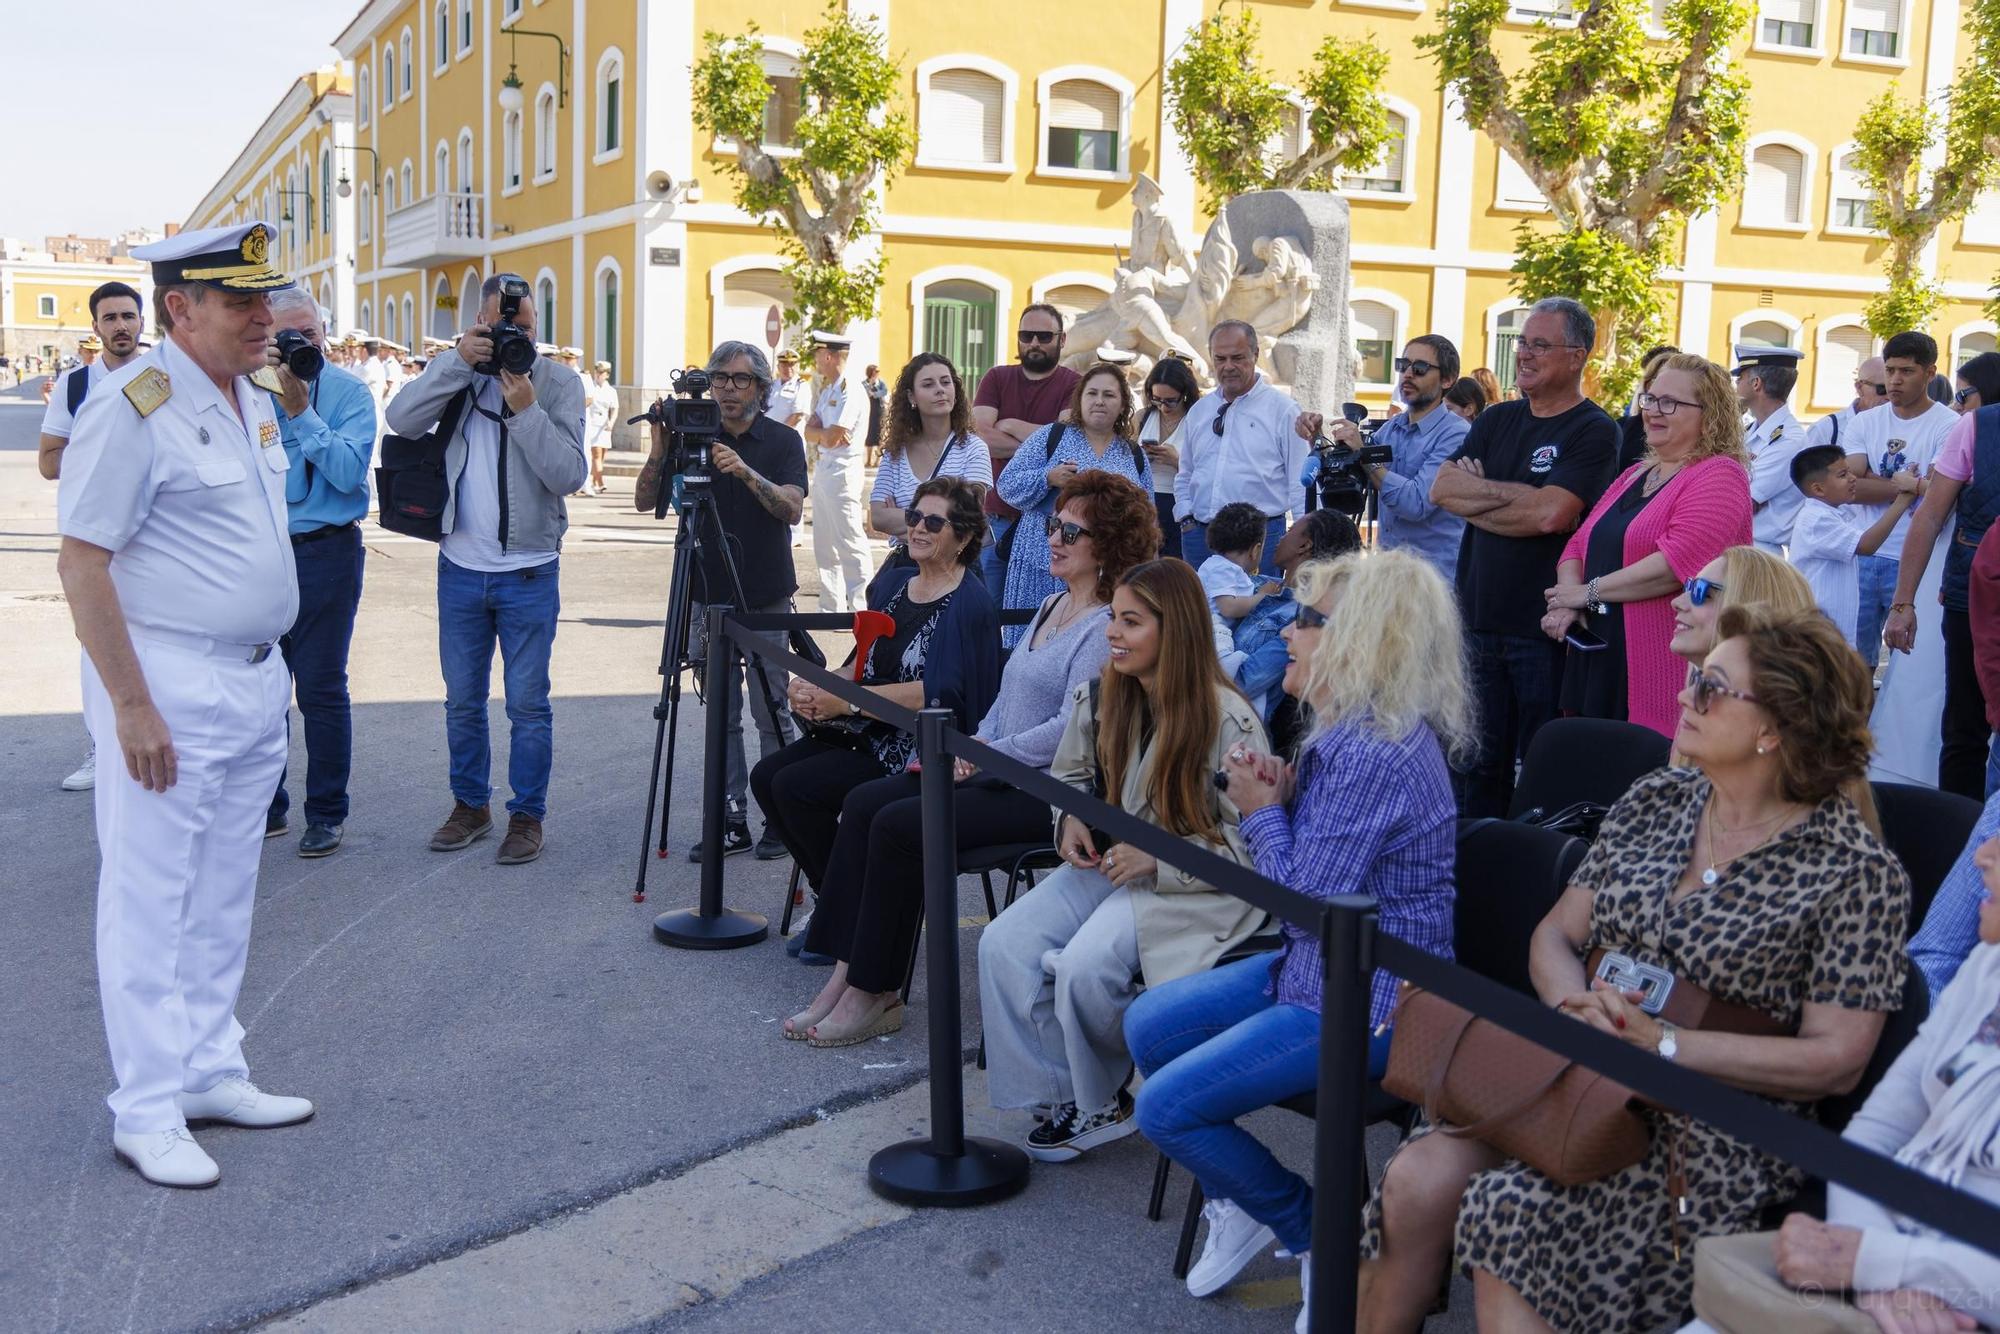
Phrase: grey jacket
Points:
(545, 460)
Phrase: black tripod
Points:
(710, 926)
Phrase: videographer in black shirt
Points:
(760, 492)
(1529, 469)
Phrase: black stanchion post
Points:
(711, 926)
(947, 1168)
(1347, 931)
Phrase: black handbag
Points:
(409, 479)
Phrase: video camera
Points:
(513, 347)
(298, 355)
(1340, 482)
(691, 420)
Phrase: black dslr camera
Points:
(1341, 482)
(298, 355)
(513, 347)
(691, 420)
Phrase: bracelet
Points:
(1902, 606)
(1590, 598)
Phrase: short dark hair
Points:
(1467, 393)
(1778, 381)
(1236, 527)
(1911, 345)
(1447, 354)
(116, 289)
(1663, 349)
(196, 294)
(1810, 464)
(1331, 534)
(1044, 308)
(962, 507)
(1983, 374)
(1175, 375)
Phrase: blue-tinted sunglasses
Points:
(1700, 590)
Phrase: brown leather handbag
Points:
(1484, 1082)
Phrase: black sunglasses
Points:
(1416, 368)
(1963, 394)
(1309, 618)
(1037, 336)
(1700, 590)
(930, 523)
(1222, 412)
(1066, 533)
(1168, 401)
(1881, 390)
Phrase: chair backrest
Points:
(1835, 1112)
(1585, 759)
(1927, 830)
(1509, 876)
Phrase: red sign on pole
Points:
(774, 326)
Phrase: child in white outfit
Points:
(1829, 534)
(1236, 537)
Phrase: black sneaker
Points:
(1068, 1133)
(735, 839)
(274, 825)
(770, 847)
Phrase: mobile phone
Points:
(1583, 639)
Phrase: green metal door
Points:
(959, 320)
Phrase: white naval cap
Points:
(234, 259)
(838, 342)
(1757, 354)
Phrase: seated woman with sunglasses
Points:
(942, 653)
(1669, 514)
(870, 900)
(928, 434)
(1057, 969)
(1169, 390)
(1318, 535)
(1748, 876)
(1097, 434)
(1379, 659)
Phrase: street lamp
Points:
(345, 188)
(510, 91)
(510, 87)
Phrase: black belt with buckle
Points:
(315, 534)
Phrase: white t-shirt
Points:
(1824, 539)
(1149, 434)
(1891, 444)
(474, 540)
(55, 418)
(895, 484)
(1222, 577)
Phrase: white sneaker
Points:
(235, 1101)
(1301, 1325)
(168, 1158)
(85, 777)
(1234, 1240)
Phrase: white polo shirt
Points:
(55, 418)
(190, 499)
(1257, 459)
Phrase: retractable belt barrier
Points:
(961, 1171)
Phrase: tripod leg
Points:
(666, 714)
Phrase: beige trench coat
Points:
(1184, 925)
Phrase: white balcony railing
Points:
(441, 229)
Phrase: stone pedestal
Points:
(1315, 357)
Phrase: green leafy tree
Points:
(852, 136)
(1909, 206)
(1626, 136)
(1228, 110)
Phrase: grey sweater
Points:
(1027, 718)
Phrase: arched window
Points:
(464, 27)
(546, 144)
(1852, 207)
(1074, 299)
(441, 168)
(610, 105)
(409, 182)
(607, 316)
(785, 104)
(367, 317)
(961, 320)
(364, 218)
(1372, 325)
(410, 320)
(545, 305)
(962, 117)
(388, 329)
(1843, 345)
(292, 211)
(469, 300)
(1974, 342)
(510, 152)
(1766, 333)
(1774, 193)
(441, 35)
(325, 295)
(389, 204)
(409, 61)
(467, 164)
(364, 92)
(326, 190)
(442, 323)
(388, 79)
(1085, 114)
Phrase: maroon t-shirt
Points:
(1009, 392)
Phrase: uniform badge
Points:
(201, 434)
(256, 246)
(267, 434)
(148, 390)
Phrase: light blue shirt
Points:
(1409, 519)
(330, 446)
(1951, 927)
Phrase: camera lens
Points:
(301, 358)
(516, 354)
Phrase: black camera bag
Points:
(409, 478)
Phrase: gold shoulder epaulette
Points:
(149, 389)
(264, 377)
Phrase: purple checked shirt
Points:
(1368, 816)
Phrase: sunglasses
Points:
(1706, 688)
(930, 523)
(1881, 390)
(1216, 425)
(1963, 394)
(1066, 533)
(1037, 336)
(1166, 400)
(1310, 618)
(1700, 590)
(1416, 368)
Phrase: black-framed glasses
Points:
(1700, 590)
(1418, 368)
(1037, 336)
(1309, 618)
(1167, 401)
(1222, 412)
(1540, 347)
(1706, 688)
(1963, 394)
(1666, 407)
(930, 523)
(734, 379)
(1066, 533)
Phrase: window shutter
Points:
(1789, 11)
(1078, 104)
(1372, 321)
(1515, 186)
(1776, 187)
(1840, 356)
(1395, 151)
(1875, 15)
(961, 121)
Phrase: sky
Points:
(122, 113)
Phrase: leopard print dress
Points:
(1816, 915)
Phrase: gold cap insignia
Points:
(257, 246)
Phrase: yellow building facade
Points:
(555, 138)
(45, 303)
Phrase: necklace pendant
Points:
(1709, 877)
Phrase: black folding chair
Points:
(1927, 830)
(1593, 760)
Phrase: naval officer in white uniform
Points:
(179, 576)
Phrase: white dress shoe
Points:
(85, 777)
(1234, 1239)
(235, 1101)
(168, 1158)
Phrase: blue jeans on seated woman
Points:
(1215, 1047)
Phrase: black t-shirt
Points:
(760, 541)
(1501, 580)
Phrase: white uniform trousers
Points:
(178, 874)
(840, 538)
(1057, 972)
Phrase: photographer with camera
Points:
(326, 423)
(519, 417)
(1420, 439)
(758, 484)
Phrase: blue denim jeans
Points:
(1513, 679)
(1213, 1048)
(516, 609)
(315, 650)
(1194, 545)
(991, 568)
(1878, 590)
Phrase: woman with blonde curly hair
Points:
(1666, 517)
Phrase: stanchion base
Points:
(688, 930)
(912, 1173)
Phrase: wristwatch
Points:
(1670, 1045)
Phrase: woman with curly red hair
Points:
(869, 901)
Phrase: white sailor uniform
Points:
(839, 482)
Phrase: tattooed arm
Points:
(786, 502)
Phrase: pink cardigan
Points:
(1702, 511)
